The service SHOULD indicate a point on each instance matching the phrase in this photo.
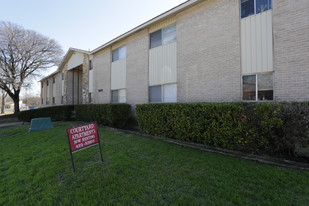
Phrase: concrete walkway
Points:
(10, 124)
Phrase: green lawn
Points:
(35, 169)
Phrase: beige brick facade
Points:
(137, 68)
(291, 50)
(208, 52)
(209, 61)
(102, 76)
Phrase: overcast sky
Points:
(82, 24)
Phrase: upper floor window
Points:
(54, 80)
(90, 65)
(47, 83)
(62, 76)
(251, 7)
(119, 53)
(163, 36)
(42, 84)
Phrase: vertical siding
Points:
(118, 74)
(90, 81)
(256, 43)
(162, 65)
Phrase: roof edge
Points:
(166, 14)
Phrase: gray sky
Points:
(82, 24)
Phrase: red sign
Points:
(83, 136)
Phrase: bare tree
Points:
(23, 55)
(3, 96)
(32, 101)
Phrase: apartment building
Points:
(199, 51)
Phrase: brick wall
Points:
(137, 68)
(102, 76)
(208, 52)
(291, 49)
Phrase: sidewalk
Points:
(10, 124)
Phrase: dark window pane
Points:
(115, 55)
(249, 87)
(262, 5)
(115, 96)
(155, 94)
(265, 87)
(89, 96)
(247, 8)
(156, 39)
(90, 64)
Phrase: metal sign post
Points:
(83, 137)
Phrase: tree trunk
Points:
(16, 104)
(2, 103)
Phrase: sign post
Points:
(83, 137)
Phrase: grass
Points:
(35, 169)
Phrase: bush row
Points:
(114, 115)
(57, 113)
(258, 128)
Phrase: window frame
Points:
(116, 52)
(162, 36)
(162, 87)
(90, 64)
(269, 4)
(257, 87)
(118, 96)
(89, 97)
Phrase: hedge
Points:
(258, 128)
(114, 115)
(57, 113)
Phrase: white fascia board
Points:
(166, 14)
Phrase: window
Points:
(42, 84)
(119, 96)
(62, 76)
(42, 101)
(258, 87)
(54, 80)
(62, 99)
(119, 53)
(54, 100)
(89, 97)
(251, 7)
(163, 36)
(47, 102)
(90, 65)
(163, 93)
(47, 83)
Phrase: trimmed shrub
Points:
(257, 128)
(56, 113)
(113, 115)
